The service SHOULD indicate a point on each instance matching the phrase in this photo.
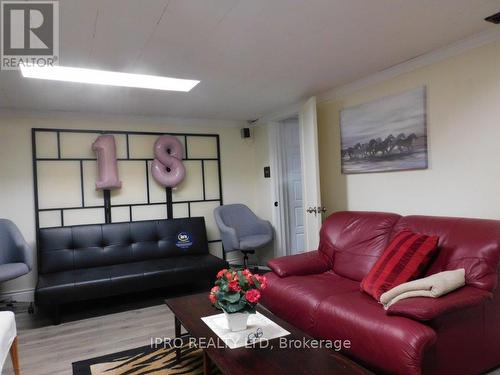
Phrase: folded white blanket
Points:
(432, 286)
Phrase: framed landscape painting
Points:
(389, 134)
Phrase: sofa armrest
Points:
(298, 265)
(424, 308)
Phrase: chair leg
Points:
(14, 355)
(56, 315)
(245, 260)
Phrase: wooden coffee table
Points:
(189, 310)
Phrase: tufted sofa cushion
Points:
(88, 246)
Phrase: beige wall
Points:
(262, 189)
(463, 178)
(16, 175)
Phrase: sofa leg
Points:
(56, 315)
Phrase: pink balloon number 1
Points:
(105, 148)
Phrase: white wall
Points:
(16, 174)
(463, 178)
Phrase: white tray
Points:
(233, 340)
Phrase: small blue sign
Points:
(184, 240)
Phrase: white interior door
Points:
(310, 172)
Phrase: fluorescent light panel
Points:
(103, 77)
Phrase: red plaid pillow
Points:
(403, 260)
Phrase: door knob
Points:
(310, 210)
(321, 209)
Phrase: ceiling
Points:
(252, 57)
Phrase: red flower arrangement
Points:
(237, 291)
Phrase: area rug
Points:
(145, 360)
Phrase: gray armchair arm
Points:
(22, 252)
(264, 227)
(228, 235)
(23, 247)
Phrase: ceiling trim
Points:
(282, 114)
(423, 60)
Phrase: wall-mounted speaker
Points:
(245, 133)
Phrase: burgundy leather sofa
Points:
(459, 333)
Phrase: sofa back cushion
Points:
(404, 259)
(472, 244)
(86, 246)
(355, 240)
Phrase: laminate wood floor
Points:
(86, 332)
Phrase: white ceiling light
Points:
(103, 77)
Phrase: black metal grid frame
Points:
(107, 201)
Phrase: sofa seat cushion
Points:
(81, 284)
(296, 298)
(207, 265)
(131, 277)
(389, 344)
(62, 286)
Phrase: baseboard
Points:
(26, 295)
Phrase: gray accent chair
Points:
(241, 230)
(16, 257)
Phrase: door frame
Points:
(277, 180)
(311, 191)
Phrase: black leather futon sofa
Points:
(94, 261)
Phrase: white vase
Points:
(237, 321)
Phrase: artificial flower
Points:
(252, 296)
(234, 286)
(221, 273)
